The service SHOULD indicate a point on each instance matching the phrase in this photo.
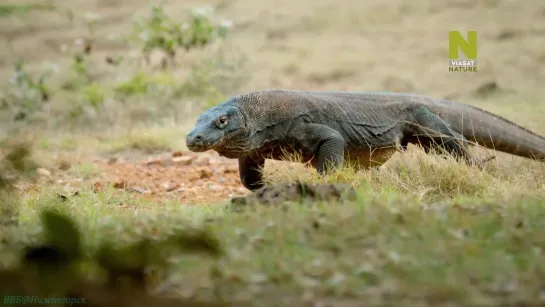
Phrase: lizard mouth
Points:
(197, 148)
(198, 142)
(202, 146)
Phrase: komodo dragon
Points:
(328, 128)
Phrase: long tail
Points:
(492, 131)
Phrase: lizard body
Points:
(365, 128)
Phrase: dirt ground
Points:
(187, 177)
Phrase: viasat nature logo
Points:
(457, 43)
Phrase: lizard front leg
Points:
(249, 169)
(326, 143)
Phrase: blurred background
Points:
(102, 65)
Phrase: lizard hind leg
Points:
(433, 132)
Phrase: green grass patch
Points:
(145, 143)
(7, 10)
(384, 247)
(84, 170)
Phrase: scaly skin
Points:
(329, 128)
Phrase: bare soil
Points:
(188, 177)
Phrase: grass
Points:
(7, 10)
(386, 246)
(147, 144)
(424, 231)
(448, 237)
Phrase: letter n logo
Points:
(457, 42)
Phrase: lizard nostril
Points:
(198, 138)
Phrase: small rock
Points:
(172, 188)
(154, 162)
(230, 170)
(120, 184)
(205, 173)
(177, 154)
(112, 160)
(203, 161)
(43, 172)
(183, 160)
(139, 190)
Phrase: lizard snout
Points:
(198, 141)
(194, 140)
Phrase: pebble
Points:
(43, 172)
(183, 160)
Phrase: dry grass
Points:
(430, 177)
(425, 230)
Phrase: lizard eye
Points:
(222, 121)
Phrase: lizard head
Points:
(221, 128)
